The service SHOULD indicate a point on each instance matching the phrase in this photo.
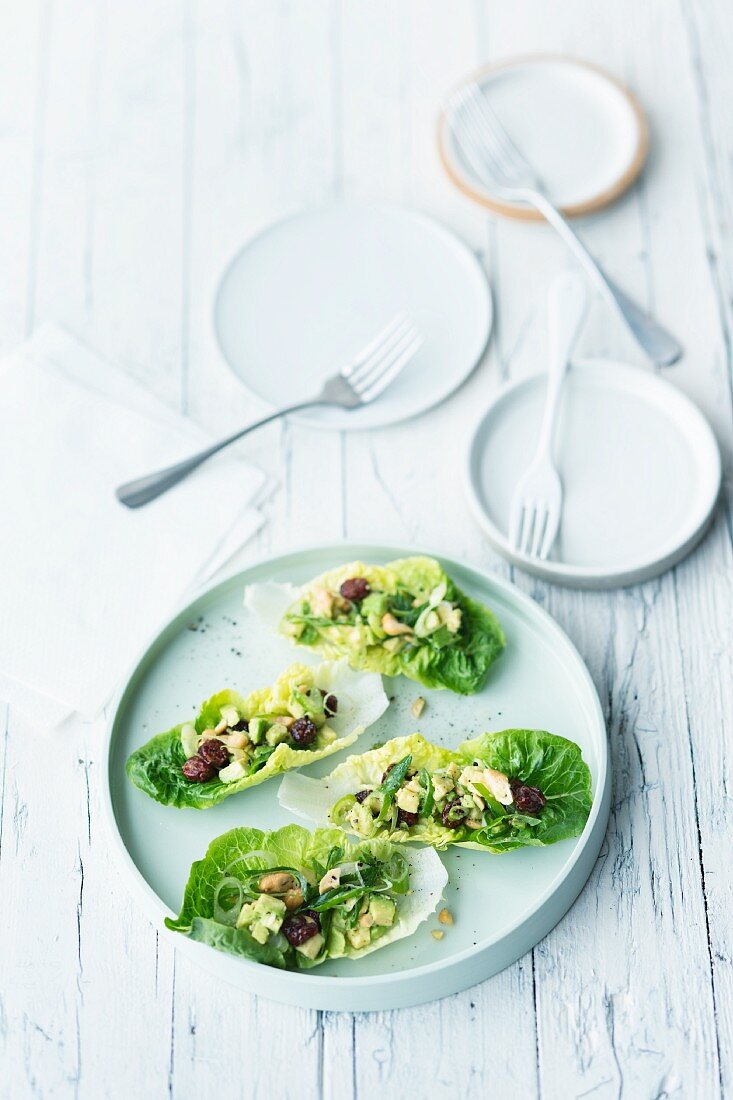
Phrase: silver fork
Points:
(361, 381)
(495, 158)
(537, 503)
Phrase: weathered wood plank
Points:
(402, 489)
(23, 59)
(266, 143)
(138, 148)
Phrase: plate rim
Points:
(590, 576)
(453, 239)
(517, 211)
(321, 991)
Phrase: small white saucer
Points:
(583, 132)
(308, 293)
(639, 464)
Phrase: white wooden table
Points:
(140, 143)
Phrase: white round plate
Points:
(303, 297)
(582, 131)
(502, 905)
(639, 465)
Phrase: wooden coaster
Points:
(582, 130)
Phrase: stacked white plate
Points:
(639, 464)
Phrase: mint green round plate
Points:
(501, 905)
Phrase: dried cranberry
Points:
(528, 800)
(214, 752)
(454, 814)
(301, 926)
(355, 588)
(303, 731)
(330, 705)
(198, 770)
(242, 726)
(361, 795)
(406, 817)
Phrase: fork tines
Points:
(483, 137)
(532, 529)
(379, 363)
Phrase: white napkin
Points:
(83, 580)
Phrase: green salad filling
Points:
(293, 899)
(500, 791)
(235, 742)
(406, 618)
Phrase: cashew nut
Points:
(277, 882)
(321, 601)
(293, 898)
(392, 627)
(330, 880)
(236, 740)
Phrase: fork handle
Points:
(658, 344)
(567, 303)
(142, 490)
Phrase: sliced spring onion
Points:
(352, 868)
(253, 861)
(228, 899)
(341, 808)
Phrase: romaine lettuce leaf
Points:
(204, 918)
(533, 757)
(291, 846)
(156, 767)
(460, 666)
(543, 760)
(314, 799)
(235, 941)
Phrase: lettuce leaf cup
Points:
(407, 618)
(501, 791)
(293, 899)
(236, 742)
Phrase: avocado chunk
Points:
(263, 916)
(233, 771)
(376, 603)
(256, 730)
(308, 702)
(383, 911)
(276, 734)
(358, 937)
(336, 940)
(360, 819)
(311, 948)
(374, 621)
(229, 714)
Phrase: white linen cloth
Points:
(83, 580)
